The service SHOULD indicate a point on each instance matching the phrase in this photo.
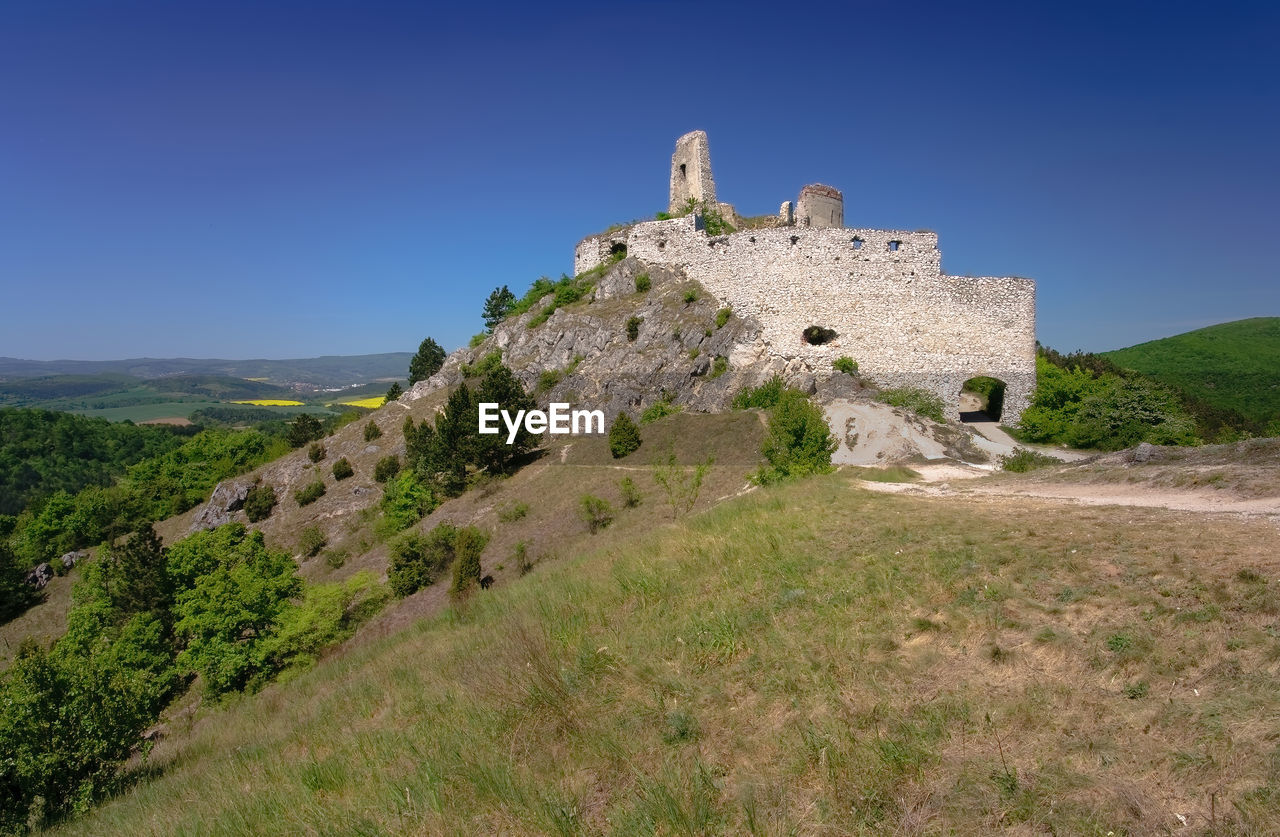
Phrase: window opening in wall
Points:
(682, 171)
(794, 239)
(618, 248)
(816, 335)
(894, 245)
(857, 243)
(982, 399)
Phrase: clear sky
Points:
(288, 179)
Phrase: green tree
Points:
(137, 574)
(798, 442)
(426, 362)
(394, 392)
(624, 436)
(16, 595)
(237, 591)
(498, 307)
(492, 453)
(303, 429)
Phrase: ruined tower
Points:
(820, 207)
(691, 172)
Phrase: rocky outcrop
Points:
(227, 497)
(72, 558)
(40, 576)
(583, 353)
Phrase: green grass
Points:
(1233, 365)
(804, 659)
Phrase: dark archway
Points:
(982, 399)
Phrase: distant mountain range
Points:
(315, 372)
(1233, 365)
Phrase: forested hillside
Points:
(1232, 366)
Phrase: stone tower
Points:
(820, 206)
(691, 172)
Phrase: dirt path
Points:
(939, 480)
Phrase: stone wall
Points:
(882, 291)
(819, 206)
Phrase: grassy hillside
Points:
(806, 659)
(1232, 366)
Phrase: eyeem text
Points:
(559, 419)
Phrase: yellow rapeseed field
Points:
(270, 402)
(367, 403)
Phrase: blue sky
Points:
(288, 179)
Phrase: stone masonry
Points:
(691, 172)
(883, 292)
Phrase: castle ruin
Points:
(882, 292)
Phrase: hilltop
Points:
(806, 659)
(1232, 366)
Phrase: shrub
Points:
(316, 452)
(596, 512)
(468, 544)
(259, 502)
(681, 485)
(798, 442)
(336, 558)
(514, 512)
(845, 364)
(309, 493)
(919, 401)
(417, 560)
(372, 431)
(405, 502)
(387, 467)
(633, 327)
(521, 558)
(690, 296)
(476, 340)
(342, 469)
(659, 409)
(624, 436)
(1023, 460)
(327, 614)
(722, 317)
(694, 352)
(394, 392)
(548, 379)
(630, 493)
(311, 541)
(718, 367)
(643, 283)
(762, 397)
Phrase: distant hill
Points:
(1233, 366)
(327, 371)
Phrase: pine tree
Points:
(426, 362)
(394, 392)
(498, 306)
(305, 428)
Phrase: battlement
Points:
(882, 292)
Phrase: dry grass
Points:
(1247, 470)
(811, 659)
